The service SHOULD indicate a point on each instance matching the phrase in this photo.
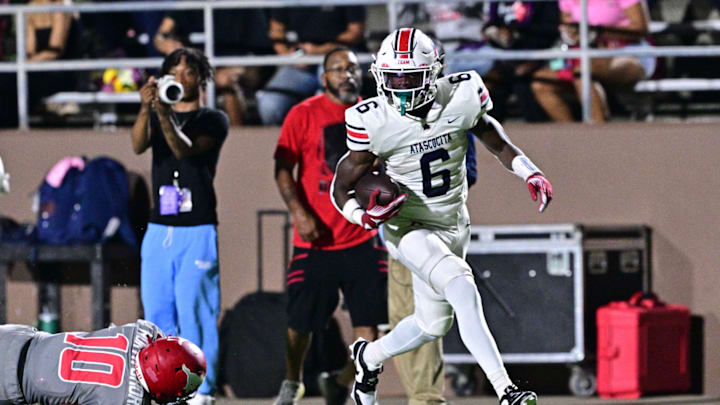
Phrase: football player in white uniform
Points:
(416, 126)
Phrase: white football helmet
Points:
(405, 68)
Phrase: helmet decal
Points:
(404, 45)
(193, 379)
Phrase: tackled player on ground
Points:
(130, 364)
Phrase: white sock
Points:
(462, 294)
(499, 380)
(404, 337)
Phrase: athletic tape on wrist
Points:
(352, 211)
(523, 167)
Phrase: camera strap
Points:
(179, 129)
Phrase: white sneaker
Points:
(201, 399)
(290, 393)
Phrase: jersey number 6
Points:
(428, 189)
(107, 360)
(454, 79)
(363, 108)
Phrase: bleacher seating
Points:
(102, 106)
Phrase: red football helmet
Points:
(170, 369)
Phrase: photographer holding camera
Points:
(179, 272)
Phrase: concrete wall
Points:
(659, 174)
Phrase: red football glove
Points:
(376, 214)
(538, 184)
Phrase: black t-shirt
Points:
(195, 173)
(318, 25)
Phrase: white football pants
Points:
(442, 282)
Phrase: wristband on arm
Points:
(523, 167)
(353, 212)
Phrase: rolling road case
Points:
(542, 284)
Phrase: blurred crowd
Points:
(530, 90)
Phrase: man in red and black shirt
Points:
(330, 254)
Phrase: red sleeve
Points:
(291, 135)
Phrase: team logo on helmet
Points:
(193, 380)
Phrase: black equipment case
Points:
(541, 285)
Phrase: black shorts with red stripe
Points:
(315, 277)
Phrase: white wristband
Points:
(523, 167)
(353, 212)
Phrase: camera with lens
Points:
(169, 90)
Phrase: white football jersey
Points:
(426, 158)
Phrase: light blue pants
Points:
(469, 59)
(180, 287)
(288, 87)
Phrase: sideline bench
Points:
(646, 104)
(105, 114)
(97, 256)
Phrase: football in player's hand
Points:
(372, 181)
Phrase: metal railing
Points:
(22, 66)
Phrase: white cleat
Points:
(515, 396)
(364, 390)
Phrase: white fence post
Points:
(585, 70)
(208, 26)
(22, 76)
(392, 15)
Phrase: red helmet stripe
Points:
(404, 42)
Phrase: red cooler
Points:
(642, 348)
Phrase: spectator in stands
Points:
(50, 36)
(515, 25)
(179, 282)
(457, 26)
(614, 24)
(176, 29)
(330, 254)
(8, 97)
(47, 33)
(5, 22)
(236, 32)
(305, 31)
(468, 29)
(118, 35)
(688, 13)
